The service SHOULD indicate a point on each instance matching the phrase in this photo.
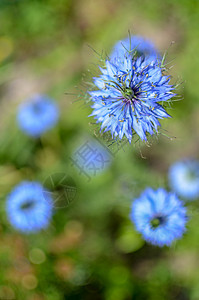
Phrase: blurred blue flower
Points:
(128, 97)
(184, 178)
(91, 158)
(37, 115)
(29, 207)
(135, 45)
(159, 216)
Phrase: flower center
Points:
(27, 205)
(191, 175)
(157, 221)
(128, 93)
(37, 108)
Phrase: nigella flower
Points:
(135, 45)
(159, 216)
(184, 178)
(128, 97)
(91, 158)
(29, 207)
(37, 115)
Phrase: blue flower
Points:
(184, 178)
(37, 115)
(29, 207)
(159, 216)
(135, 45)
(128, 97)
(91, 158)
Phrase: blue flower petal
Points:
(164, 207)
(29, 207)
(129, 93)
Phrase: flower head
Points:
(159, 216)
(91, 158)
(128, 97)
(135, 45)
(37, 115)
(29, 207)
(184, 178)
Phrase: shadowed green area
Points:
(91, 249)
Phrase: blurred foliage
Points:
(91, 250)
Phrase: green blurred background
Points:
(91, 250)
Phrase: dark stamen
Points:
(157, 221)
(191, 175)
(28, 205)
(37, 108)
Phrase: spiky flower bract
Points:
(37, 115)
(184, 178)
(29, 207)
(159, 216)
(128, 97)
(135, 45)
